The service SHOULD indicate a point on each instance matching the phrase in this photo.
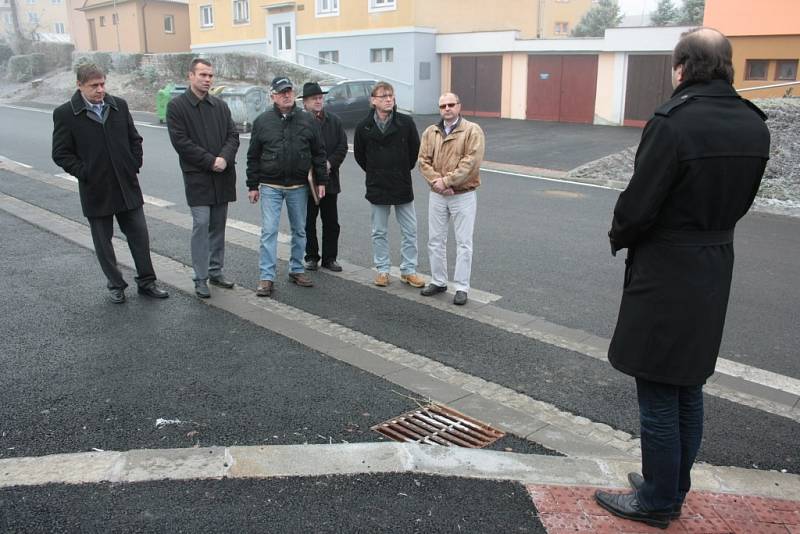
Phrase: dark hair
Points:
(89, 71)
(201, 61)
(705, 54)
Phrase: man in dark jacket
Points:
(336, 150)
(697, 171)
(386, 146)
(94, 140)
(286, 142)
(205, 138)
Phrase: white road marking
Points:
(155, 201)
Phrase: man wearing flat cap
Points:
(285, 144)
(336, 150)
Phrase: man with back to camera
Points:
(335, 150)
(204, 136)
(386, 147)
(697, 171)
(449, 159)
(284, 145)
(95, 140)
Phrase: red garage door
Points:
(477, 80)
(562, 88)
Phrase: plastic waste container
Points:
(246, 102)
(163, 96)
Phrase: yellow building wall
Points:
(570, 12)
(48, 14)
(224, 30)
(157, 39)
(108, 39)
(457, 16)
(354, 15)
(769, 48)
(444, 62)
(604, 103)
(518, 86)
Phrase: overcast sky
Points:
(636, 7)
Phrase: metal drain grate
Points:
(439, 425)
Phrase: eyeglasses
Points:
(383, 97)
(449, 105)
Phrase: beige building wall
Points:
(79, 28)
(605, 106)
(47, 13)
(158, 40)
(767, 48)
(457, 16)
(224, 30)
(518, 85)
(354, 15)
(562, 11)
(445, 63)
(127, 39)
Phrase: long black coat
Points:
(201, 131)
(697, 171)
(105, 156)
(335, 149)
(387, 158)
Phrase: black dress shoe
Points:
(220, 281)
(637, 481)
(310, 265)
(153, 291)
(117, 295)
(332, 266)
(460, 298)
(432, 289)
(201, 289)
(627, 506)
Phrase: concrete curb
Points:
(367, 458)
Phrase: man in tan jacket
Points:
(449, 158)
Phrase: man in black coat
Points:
(335, 150)
(386, 146)
(205, 138)
(95, 141)
(697, 171)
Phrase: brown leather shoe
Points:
(382, 279)
(413, 279)
(264, 288)
(301, 279)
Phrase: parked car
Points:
(349, 99)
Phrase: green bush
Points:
(125, 63)
(57, 55)
(25, 67)
(101, 59)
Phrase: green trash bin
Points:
(163, 96)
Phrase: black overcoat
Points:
(387, 158)
(201, 131)
(105, 156)
(697, 171)
(335, 149)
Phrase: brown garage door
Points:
(562, 88)
(649, 84)
(477, 80)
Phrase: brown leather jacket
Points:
(456, 157)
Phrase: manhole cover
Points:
(439, 425)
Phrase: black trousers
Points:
(133, 225)
(330, 229)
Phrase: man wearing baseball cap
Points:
(284, 145)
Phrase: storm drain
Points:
(439, 425)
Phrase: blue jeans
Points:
(407, 218)
(671, 420)
(272, 200)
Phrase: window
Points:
(381, 55)
(30, 2)
(33, 18)
(7, 18)
(55, 2)
(327, 8)
(756, 69)
(382, 5)
(338, 92)
(561, 28)
(786, 70)
(114, 19)
(241, 11)
(169, 24)
(102, 21)
(328, 56)
(206, 16)
(58, 27)
(424, 70)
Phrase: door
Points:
(562, 88)
(649, 84)
(544, 88)
(92, 35)
(477, 82)
(282, 41)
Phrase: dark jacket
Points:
(104, 155)
(283, 149)
(335, 149)
(697, 171)
(387, 158)
(201, 131)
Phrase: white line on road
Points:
(9, 160)
(155, 201)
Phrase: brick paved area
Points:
(563, 509)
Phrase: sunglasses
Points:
(449, 105)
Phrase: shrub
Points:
(26, 67)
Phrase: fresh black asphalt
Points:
(364, 503)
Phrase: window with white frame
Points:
(327, 57)
(56, 2)
(58, 27)
(33, 18)
(327, 8)
(241, 11)
(30, 2)
(561, 28)
(206, 16)
(114, 18)
(169, 24)
(381, 55)
(382, 5)
(7, 18)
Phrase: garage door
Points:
(562, 88)
(477, 80)
(649, 84)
